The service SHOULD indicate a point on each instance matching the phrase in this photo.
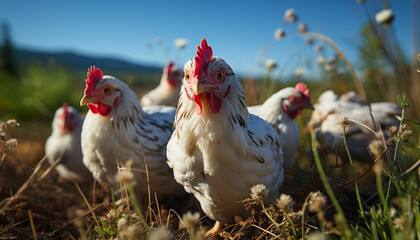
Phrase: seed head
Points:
(302, 28)
(259, 192)
(317, 202)
(384, 17)
(285, 203)
(279, 34)
(270, 64)
(124, 174)
(377, 169)
(320, 60)
(344, 122)
(188, 220)
(405, 135)
(132, 232)
(181, 43)
(290, 16)
(160, 234)
(11, 144)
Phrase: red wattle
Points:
(102, 109)
(215, 103)
(198, 106)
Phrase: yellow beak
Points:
(202, 87)
(88, 99)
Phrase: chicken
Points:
(117, 129)
(280, 111)
(167, 93)
(218, 150)
(64, 144)
(330, 109)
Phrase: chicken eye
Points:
(220, 75)
(187, 77)
(296, 99)
(107, 91)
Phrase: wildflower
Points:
(317, 202)
(376, 147)
(393, 130)
(122, 223)
(299, 72)
(290, 16)
(189, 219)
(344, 122)
(279, 34)
(132, 232)
(320, 60)
(270, 64)
(405, 135)
(285, 203)
(384, 17)
(11, 144)
(181, 43)
(160, 234)
(302, 28)
(259, 192)
(124, 174)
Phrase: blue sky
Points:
(238, 31)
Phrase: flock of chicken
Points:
(212, 145)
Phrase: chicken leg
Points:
(218, 226)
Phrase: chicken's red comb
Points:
(168, 67)
(204, 56)
(93, 76)
(301, 87)
(65, 107)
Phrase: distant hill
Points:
(78, 62)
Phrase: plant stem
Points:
(330, 192)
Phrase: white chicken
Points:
(64, 144)
(118, 129)
(280, 111)
(167, 93)
(330, 109)
(218, 150)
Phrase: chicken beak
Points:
(200, 87)
(308, 105)
(88, 99)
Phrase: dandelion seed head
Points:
(189, 219)
(270, 64)
(299, 72)
(11, 144)
(160, 234)
(279, 34)
(303, 28)
(259, 192)
(285, 203)
(132, 232)
(290, 16)
(317, 202)
(384, 17)
(125, 174)
(181, 43)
